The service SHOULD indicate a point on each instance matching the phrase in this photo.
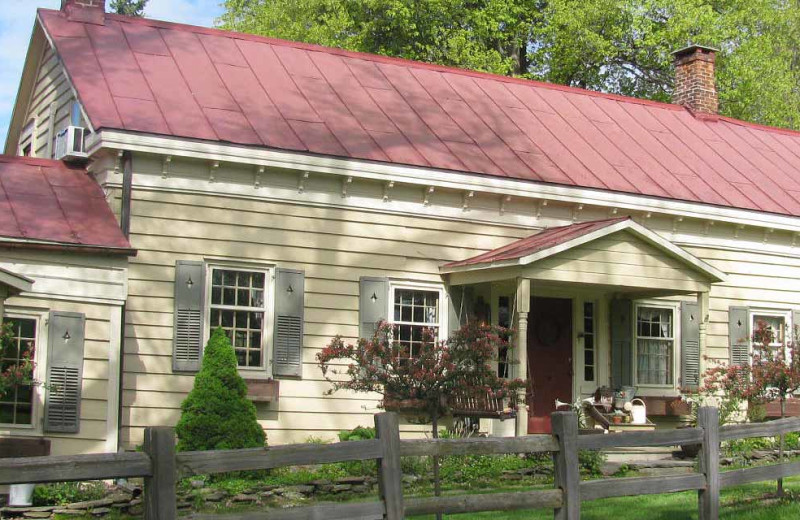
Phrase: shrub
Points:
(359, 433)
(591, 461)
(216, 414)
(62, 493)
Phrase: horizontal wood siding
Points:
(335, 246)
(94, 286)
(51, 99)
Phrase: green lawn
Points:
(742, 503)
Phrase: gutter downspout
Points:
(125, 226)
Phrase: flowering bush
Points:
(428, 380)
(14, 373)
(773, 373)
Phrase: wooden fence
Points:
(161, 466)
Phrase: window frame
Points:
(444, 303)
(264, 370)
(40, 359)
(786, 314)
(676, 342)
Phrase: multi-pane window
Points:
(589, 351)
(774, 328)
(504, 320)
(415, 310)
(16, 407)
(238, 306)
(655, 345)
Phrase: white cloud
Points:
(16, 24)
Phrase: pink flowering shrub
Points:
(430, 378)
(773, 372)
(18, 373)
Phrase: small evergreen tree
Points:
(216, 414)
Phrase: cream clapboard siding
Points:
(335, 246)
(95, 286)
(50, 104)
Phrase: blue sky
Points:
(16, 24)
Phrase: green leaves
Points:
(620, 46)
(216, 414)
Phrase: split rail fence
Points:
(161, 466)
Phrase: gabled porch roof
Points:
(578, 254)
(12, 283)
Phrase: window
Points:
(415, 309)
(776, 324)
(588, 341)
(17, 406)
(238, 305)
(504, 320)
(655, 345)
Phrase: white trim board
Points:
(714, 274)
(181, 147)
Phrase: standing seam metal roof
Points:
(162, 78)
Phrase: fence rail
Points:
(160, 467)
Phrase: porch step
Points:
(628, 455)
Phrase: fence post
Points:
(390, 474)
(565, 461)
(708, 498)
(160, 502)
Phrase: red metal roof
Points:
(52, 204)
(541, 241)
(162, 78)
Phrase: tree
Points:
(620, 46)
(773, 373)
(427, 382)
(216, 414)
(128, 7)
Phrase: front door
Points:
(549, 359)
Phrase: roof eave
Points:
(20, 243)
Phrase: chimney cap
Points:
(692, 48)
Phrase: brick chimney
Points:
(88, 11)
(695, 85)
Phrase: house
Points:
(289, 192)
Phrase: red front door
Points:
(549, 359)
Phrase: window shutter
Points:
(739, 335)
(622, 342)
(187, 343)
(372, 304)
(289, 307)
(65, 339)
(690, 345)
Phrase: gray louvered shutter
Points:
(739, 335)
(289, 307)
(690, 345)
(373, 306)
(187, 344)
(65, 340)
(622, 342)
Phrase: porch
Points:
(603, 303)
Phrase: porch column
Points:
(702, 305)
(521, 370)
(3, 295)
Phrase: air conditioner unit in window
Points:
(69, 144)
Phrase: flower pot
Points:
(20, 495)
